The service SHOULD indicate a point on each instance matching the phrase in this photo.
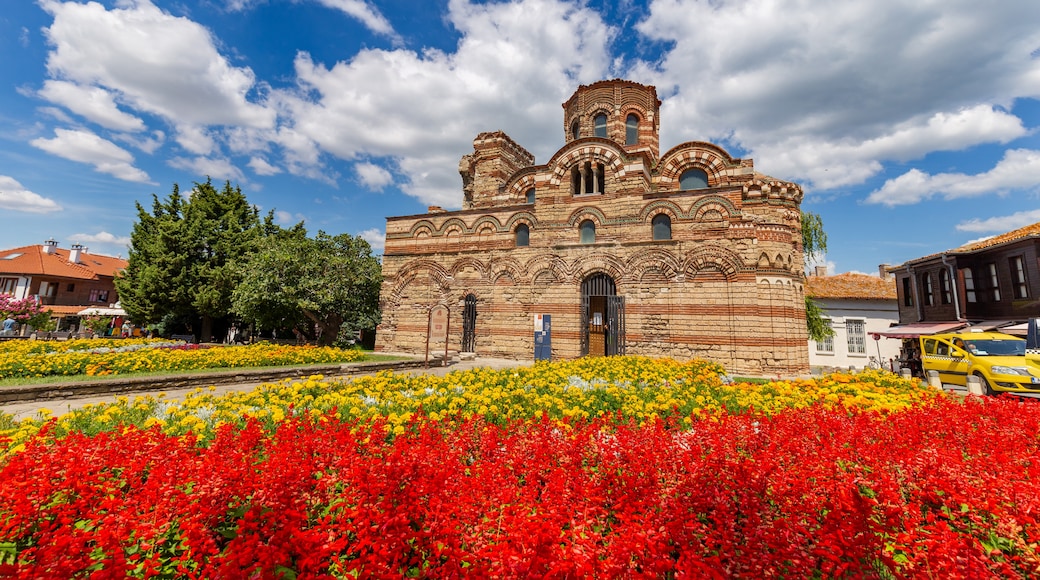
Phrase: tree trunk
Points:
(206, 334)
(330, 330)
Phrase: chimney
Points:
(74, 253)
(883, 271)
(50, 246)
(821, 271)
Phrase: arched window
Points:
(662, 226)
(632, 129)
(693, 179)
(599, 124)
(575, 128)
(588, 177)
(588, 232)
(530, 195)
(945, 294)
(523, 235)
(929, 298)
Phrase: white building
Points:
(858, 307)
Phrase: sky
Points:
(911, 126)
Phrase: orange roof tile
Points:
(1023, 232)
(32, 261)
(849, 285)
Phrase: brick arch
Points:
(713, 202)
(521, 217)
(589, 212)
(608, 264)
(497, 225)
(550, 263)
(518, 185)
(413, 269)
(587, 149)
(506, 266)
(453, 222)
(666, 262)
(693, 154)
(727, 261)
(419, 225)
(476, 264)
(660, 206)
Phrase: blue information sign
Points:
(542, 337)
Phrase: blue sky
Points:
(912, 127)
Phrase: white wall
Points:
(877, 316)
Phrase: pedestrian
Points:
(9, 324)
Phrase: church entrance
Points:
(602, 317)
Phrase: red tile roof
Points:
(1023, 232)
(849, 285)
(32, 261)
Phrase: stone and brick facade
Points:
(686, 254)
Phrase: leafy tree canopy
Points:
(181, 263)
(327, 283)
(814, 244)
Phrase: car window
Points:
(997, 347)
(941, 348)
(929, 346)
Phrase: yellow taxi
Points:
(998, 359)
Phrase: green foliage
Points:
(181, 264)
(331, 282)
(814, 244)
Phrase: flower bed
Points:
(845, 476)
(111, 357)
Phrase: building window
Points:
(926, 283)
(523, 235)
(908, 295)
(588, 178)
(632, 130)
(48, 289)
(529, 196)
(102, 296)
(588, 232)
(945, 294)
(693, 179)
(8, 285)
(599, 125)
(662, 226)
(1018, 277)
(575, 130)
(969, 285)
(994, 283)
(93, 296)
(857, 334)
(827, 344)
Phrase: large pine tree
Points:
(182, 257)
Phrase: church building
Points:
(609, 247)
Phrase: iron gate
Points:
(469, 324)
(600, 288)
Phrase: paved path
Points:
(60, 406)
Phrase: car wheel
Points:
(986, 388)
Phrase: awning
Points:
(102, 312)
(1017, 329)
(920, 328)
(988, 325)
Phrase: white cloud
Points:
(827, 99)
(158, 63)
(431, 105)
(375, 238)
(195, 139)
(365, 13)
(86, 147)
(93, 103)
(216, 168)
(148, 144)
(1002, 223)
(285, 218)
(260, 166)
(102, 237)
(1019, 170)
(373, 176)
(15, 197)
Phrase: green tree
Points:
(814, 245)
(181, 264)
(328, 282)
